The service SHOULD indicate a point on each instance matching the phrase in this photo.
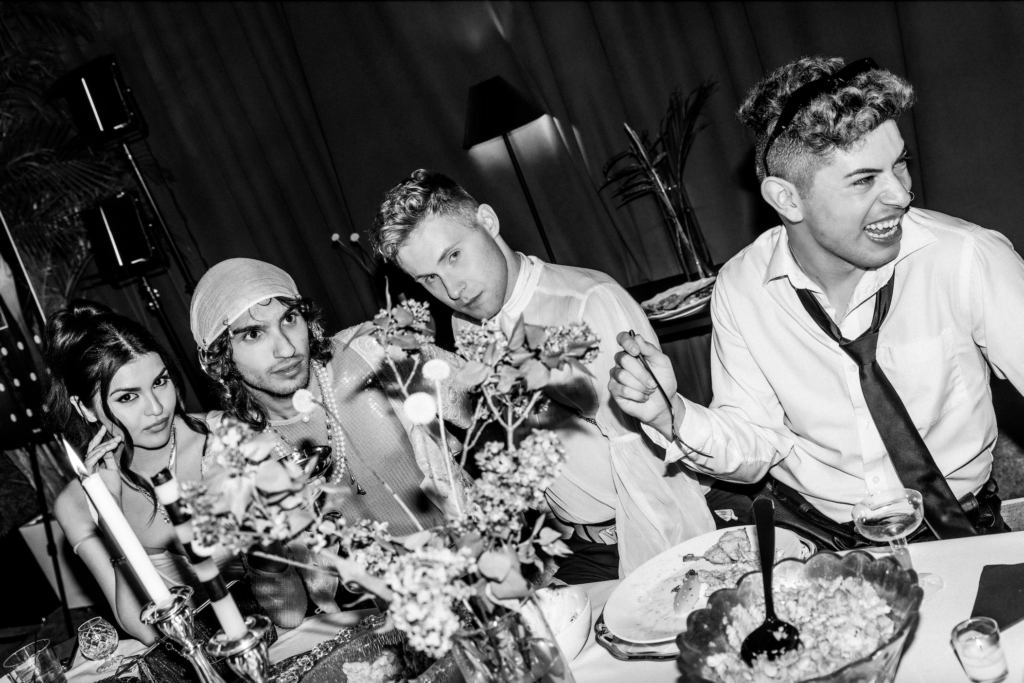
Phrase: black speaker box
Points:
(119, 232)
(101, 105)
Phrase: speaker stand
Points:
(51, 546)
(190, 282)
(151, 295)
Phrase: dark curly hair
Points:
(235, 398)
(422, 195)
(829, 122)
(86, 344)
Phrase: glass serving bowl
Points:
(705, 633)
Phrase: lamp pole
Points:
(529, 198)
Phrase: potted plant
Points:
(655, 168)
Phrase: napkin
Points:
(1001, 594)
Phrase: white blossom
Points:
(303, 401)
(420, 408)
(437, 370)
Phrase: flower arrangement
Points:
(436, 581)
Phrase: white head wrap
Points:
(231, 288)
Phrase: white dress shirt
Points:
(611, 470)
(789, 401)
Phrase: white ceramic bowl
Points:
(567, 610)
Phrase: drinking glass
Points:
(891, 516)
(97, 639)
(35, 663)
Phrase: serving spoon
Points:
(774, 637)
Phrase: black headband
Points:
(807, 92)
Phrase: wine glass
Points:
(98, 640)
(891, 516)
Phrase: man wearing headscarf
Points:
(262, 341)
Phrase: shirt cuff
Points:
(694, 428)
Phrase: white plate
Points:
(640, 608)
(687, 310)
(684, 289)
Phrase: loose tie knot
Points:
(862, 349)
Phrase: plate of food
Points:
(642, 607)
(680, 301)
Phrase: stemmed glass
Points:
(98, 640)
(891, 516)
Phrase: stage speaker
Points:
(119, 232)
(101, 105)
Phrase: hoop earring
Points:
(912, 195)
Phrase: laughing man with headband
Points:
(261, 341)
(852, 344)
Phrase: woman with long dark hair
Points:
(117, 396)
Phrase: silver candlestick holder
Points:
(247, 656)
(174, 620)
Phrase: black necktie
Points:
(914, 464)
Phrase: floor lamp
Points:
(496, 108)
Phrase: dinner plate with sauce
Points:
(641, 608)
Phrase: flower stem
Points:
(285, 560)
(374, 472)
(444, 448)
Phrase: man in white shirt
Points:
(788, 401)
(615, 489)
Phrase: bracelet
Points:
(118, 561)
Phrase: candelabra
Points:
(174, 620)
(247, 656)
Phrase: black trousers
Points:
(794, 512)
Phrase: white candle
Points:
(118, 526)
(224, 607)
(223, 604)
(982, 659)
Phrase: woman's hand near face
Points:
(103, 452)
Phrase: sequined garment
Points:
(375, 429)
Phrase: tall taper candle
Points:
(223, 604)
(119, 528)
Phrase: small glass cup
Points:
(976, 643)
(35, 663)
(97, 640)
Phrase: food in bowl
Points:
(839, 620)
(854, 611)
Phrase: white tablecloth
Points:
(927, 658)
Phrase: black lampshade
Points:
(495, 108)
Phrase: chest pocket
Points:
(926, 375)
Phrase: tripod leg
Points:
(51, 546)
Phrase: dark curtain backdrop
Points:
(286, 122)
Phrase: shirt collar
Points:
(526, 284)
(782, 263)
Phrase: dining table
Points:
(927, 656)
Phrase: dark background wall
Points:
(285, 122)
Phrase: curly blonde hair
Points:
(424, 194)
(830, 121)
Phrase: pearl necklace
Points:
(170, 466)
(336, 440)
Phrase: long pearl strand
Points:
(336, 439)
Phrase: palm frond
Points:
(657, 170)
